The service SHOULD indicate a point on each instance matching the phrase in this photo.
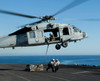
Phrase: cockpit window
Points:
(75, 29)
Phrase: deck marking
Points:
(56, 77)
(81, 72)
(19, 76)
(60, 78)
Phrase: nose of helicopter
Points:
(85, 35)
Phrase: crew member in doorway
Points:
(56, 65)
(51, 65)
(52, 38)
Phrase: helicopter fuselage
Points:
(43, 34)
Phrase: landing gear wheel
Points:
(64, 44)
(58, 46)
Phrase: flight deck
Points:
(16, 72)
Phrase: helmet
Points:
(56, 59)
(53, 59)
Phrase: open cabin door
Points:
(65, 33)
(52, 35)
(36, 37)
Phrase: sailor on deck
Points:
(51, 65)
(56, 65)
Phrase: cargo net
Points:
(35, 67)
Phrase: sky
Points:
(89, 9)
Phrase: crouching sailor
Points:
(51, 65)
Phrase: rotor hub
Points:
(46, 18)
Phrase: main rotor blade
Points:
(36, 22)
(31, 23)
(18, 14)
(71, 5)
(91, 19)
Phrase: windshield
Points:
(76, 29)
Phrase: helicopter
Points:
(44, 32)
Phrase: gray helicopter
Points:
(44, 32)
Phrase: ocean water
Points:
(64, 59)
